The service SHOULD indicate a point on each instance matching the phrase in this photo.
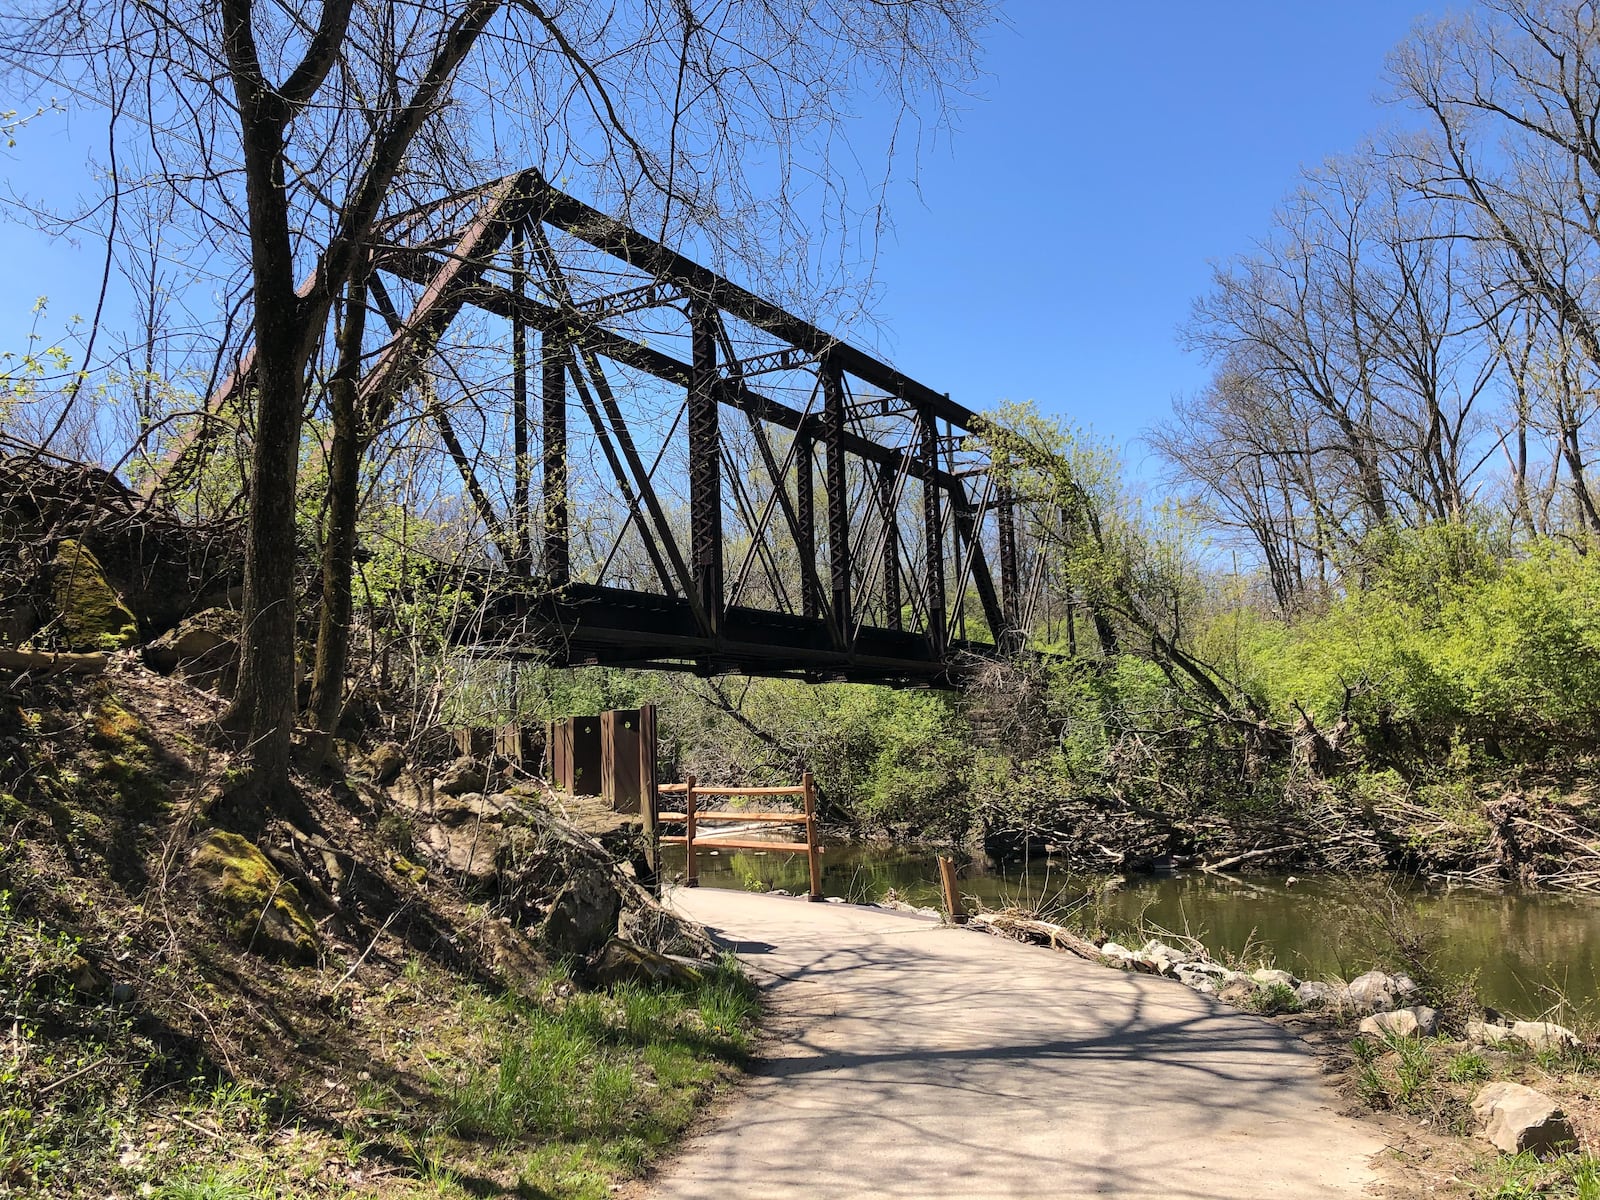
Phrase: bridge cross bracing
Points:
(672, 471)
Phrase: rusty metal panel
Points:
(619, 759)
(584, 733)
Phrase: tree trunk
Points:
(339, 540)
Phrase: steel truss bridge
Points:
(674, 472)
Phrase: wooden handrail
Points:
(675, 788)
(692, 815)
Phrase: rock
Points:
(93, 616)
(623, 962)
(1487, 1033)
(1204, 977)
(1377, 991)
(1402, 1022)
(1316, 994)
(462, 776)
(86, 978)
(583, 915)
(1543, 1035)
(1161, 957)
(386, 762)
(122, 993)
(471, 850)
(200, 647)
(1117, 955)
(517, 961)
(1240, 989)
(260, 909)
(1270, 977)
(1518, 1119)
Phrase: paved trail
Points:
(923, 1062)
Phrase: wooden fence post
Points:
(952, 894)
(691, 869)
(812, 849)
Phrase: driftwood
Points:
(1221, 865)
(52, 663)
(1012, 924)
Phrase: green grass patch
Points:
(598, 1083)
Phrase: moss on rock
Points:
(93, 616)
(260, 909)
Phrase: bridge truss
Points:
(683, 474)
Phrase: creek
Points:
(1527, 951)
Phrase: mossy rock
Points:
(260, 909)
(93, 616)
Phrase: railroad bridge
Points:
(674, 472)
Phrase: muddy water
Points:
(1526, 951)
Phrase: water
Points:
(1527, 951)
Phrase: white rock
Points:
(1402, 1022)
(1315, 994)
(1376, 991)
(1162, 957)
(1543, 1035)
(1268, 976)
(1518, 1119)
(1487, 1033)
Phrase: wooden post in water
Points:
(691, 869)
(812, 848)
(952, 894)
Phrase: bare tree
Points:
(288, 138)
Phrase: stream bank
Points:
(1521, 951)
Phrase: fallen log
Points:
(51, 662)
(1248, 856)
(1030, 929)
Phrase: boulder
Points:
(621, 961)
(259, 908)
(1316, 994)
(470, 849)
(1487, 1033)
(1402, 1022)
(1518, 1119)
(1271, 977)
(93, 616)
(1543, 1035)
(386, 762)
(583, 915)
(201, 647)
(1377, 991)
(462, 776)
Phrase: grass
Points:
(599, 1083)
(561, 1094)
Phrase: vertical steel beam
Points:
(932, 535)
(833, 421)
(887, 478)
(806, 526)
(1010, 583)
(705, 465)
(553, 356)
(522, 482)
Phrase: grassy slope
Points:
(430, 1051)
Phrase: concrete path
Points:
(918, 1061)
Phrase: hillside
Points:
(410, 985)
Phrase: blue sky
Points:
(1058, 239)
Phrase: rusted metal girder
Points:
(804, 624)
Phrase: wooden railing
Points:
(692, 814)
